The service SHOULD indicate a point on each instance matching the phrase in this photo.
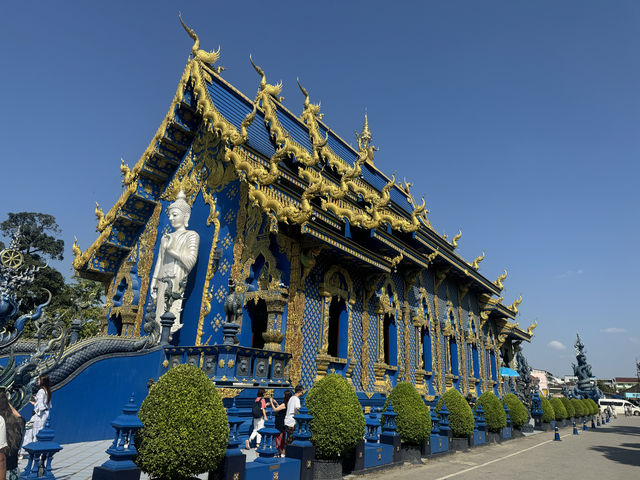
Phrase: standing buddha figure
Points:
(177, 255)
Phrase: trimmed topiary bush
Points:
(517, 410)
(494, 413)
(338, 422)
(460, 415)
(595, 409)
(413, 420)
(548, 414)
(571, 410)
(185, 426)
(587, 406)
(558, 408)
(578, 407)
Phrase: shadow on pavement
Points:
(621, 430)
(620, 455)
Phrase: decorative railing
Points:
(233, 364)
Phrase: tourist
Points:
(41, 407)
(293, 407)
(280, 411)
(11, 431)
(259, 413)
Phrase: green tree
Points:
(36, 238)
(605, 388)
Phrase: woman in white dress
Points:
(41, 407)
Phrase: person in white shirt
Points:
(293, 407)
(3, 445)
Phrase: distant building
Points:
(623, 383)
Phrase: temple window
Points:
(390, 340)
(425, 337)
(338, 320)
(259, 319)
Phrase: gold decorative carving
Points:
(476, 263)
(128, 176)
(75, 248)
(500, 279)
(532, 327)
(229, 392)
(456, 239)
(200, 55)
(514, 306)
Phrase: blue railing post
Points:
(444, 421)
(389, 435)
(233, 465)
(41, 454)
(301, 448)
(267, 450)
(122, 451)
(372, 424)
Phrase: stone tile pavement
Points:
(76, 460)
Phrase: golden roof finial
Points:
(100, 217)
(532, 327)
(364, 137)
(514, 305)
(202, 55)
(455, 239)
(75, 248)
(476, 263)
(500, 279)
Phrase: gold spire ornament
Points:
(532, 327)
(100, 217)
(128, 176)
(454, 240)
(75, 248)
(476, 263)
(364, 139)
(514, 305)
(500, 279)
(201, 55)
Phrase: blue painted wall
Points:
(83, 409)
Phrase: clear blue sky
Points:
(517, 120)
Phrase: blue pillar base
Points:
(436, 445)
(506, 433)
(102, 473)
(306, 455)
(232, 465)
(282, 468)
(479, 438)
(394, 441)
(377, 454)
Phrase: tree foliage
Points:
(548, 413)
(494, 413)
(413, 421)
(517, 411)
(558, 408)
(461, 419)
(338, 422)
(185, 426)
(571, 410)
(36, 236)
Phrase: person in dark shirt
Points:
(280, 412)
(15, 431)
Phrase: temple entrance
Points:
(259, 319)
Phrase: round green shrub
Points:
(571, 410)
(460, 415)
(548, 413)
(338, 422)
(578, 407)
(413, 421)
(587, 406)
(494, 413)
(595, 409)
(558, 408)
(517, 410)
(185, 426)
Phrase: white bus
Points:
(618, 405)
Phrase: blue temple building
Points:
(334, 266)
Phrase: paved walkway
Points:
(609, 453)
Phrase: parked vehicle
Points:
(618, 405)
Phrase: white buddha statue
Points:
(177, 255)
